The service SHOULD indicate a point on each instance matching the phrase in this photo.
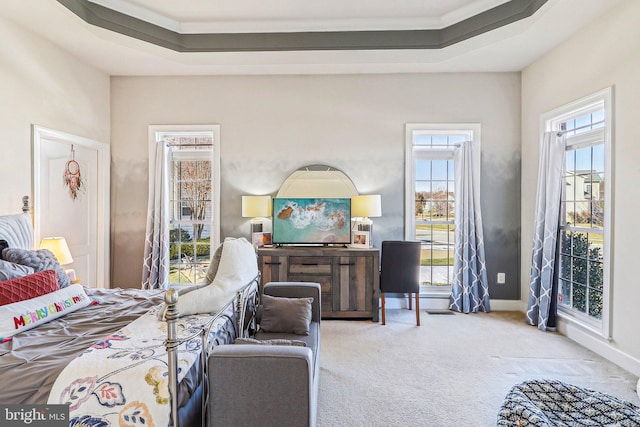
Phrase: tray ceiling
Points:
(204, 37)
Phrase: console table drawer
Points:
(309, 265)
(348, 277)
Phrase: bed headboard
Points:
(17, 229)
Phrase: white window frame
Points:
(155, 136)
(551, 121)
(413, 152)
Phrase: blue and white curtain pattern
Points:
(470, 287)
(541, 308)
(155, 272)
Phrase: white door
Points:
(82, 220)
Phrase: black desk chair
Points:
(400, 272)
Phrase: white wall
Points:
(272, 125)
(41, 84)
(607, 53)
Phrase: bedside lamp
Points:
(58, 246)
(256, 207)
(363, 208)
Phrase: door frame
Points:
(39, 136)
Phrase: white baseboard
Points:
(425, 302)
(508, 305)
(599, 345)
(442, 302)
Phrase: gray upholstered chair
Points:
(269, 385)
(400, 272)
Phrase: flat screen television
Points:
(311, 221)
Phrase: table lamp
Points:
(58, 246)
(257, 208)
(362, 209)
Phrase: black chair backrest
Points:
(400, 266)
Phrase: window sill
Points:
(433, 292)
(592, 327)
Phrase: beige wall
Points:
(43, 85)
(607, 53)
(272, 125)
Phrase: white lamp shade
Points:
(366, 206)
(256, 206)
(59, 247)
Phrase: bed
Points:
(124, 357)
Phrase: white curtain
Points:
(541, 309)
(155, 272)
(470, 287)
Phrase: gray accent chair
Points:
(268, 385)
(400, 272)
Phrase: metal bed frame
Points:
(248, 293)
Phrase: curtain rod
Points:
(560, 132)
(189, 145)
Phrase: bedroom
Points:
(272, 124)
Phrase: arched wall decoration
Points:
(317, 181)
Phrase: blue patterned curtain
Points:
(541, 310)
(155, 272)
(470, 287)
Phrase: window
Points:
(430, 199)
(194, 226)
(583, 255)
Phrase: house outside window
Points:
(585, 220)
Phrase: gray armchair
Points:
(268, 385)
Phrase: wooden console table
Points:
(349, 277)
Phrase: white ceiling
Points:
(509, 48)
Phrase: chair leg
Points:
(410, 307)
(383, 316)
(417, 308)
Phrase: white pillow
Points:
(238, 266)
(23, 315)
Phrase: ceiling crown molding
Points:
(483, 22)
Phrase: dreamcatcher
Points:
(72, 177)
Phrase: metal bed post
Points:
(238, 304)
(171, 316)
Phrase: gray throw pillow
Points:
(213, 264)
(11, 270)
(296, 343)
(286, 315)
(39, 260)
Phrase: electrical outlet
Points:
(501, 279)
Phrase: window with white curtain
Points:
(430, 198)
(585, 219)
(194, 199)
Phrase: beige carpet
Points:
(454, 370)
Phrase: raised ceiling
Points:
(163, 31)
(207, 16)
(157, 37)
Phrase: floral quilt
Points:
(123, 379)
